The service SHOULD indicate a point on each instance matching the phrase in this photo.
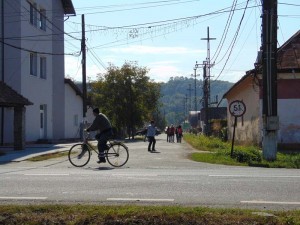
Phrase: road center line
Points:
(134, 175)
(46, 174)
(22, 198)
(140, 199)
(252, 176)
(270, 202)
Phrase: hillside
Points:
(176, 101)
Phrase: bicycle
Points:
(116, 155)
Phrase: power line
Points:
(50, 22)
(97, 58)
(225, 32)
(134, 8)
(21, 38)
(163, 22)
(45, 53)
(234, 40)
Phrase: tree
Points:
(126, 95)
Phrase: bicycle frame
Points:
(91, 147)
(117, 153)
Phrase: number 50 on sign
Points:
(237, 108)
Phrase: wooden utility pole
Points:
(269, 69)
(83, 50)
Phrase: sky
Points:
(166, 36)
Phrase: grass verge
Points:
(90, 214)
(219, 152)
(48, 156)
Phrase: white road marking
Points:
(253, 176)
(134, 175)
(141, 199)
(46, 174)
(270, 202)
(23, 198)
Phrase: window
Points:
(43, 67)
(42, 19)
(33, 64)
(33, 14)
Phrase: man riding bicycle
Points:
(101, 124)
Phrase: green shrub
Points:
(242, 155)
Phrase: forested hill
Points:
(175, 96)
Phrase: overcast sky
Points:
(166, 36)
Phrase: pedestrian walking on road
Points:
(168, 134)
(172, 132)
(179, 134)
(151, 131)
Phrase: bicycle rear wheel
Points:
(79, 155)
(117, 155)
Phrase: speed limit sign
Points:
(237, 108)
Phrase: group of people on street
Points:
(172, 131)
(102, 125)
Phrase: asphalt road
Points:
(167, 177)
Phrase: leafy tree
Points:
(127, 96)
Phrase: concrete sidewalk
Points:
(30, 151)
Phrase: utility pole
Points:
(206, 83)
(2, 72)
(206, 100)
(269, 69)
(190, 97)
(83, 50)
(208, 65)
(195, 84)
(185, 107)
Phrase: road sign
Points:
(237, 108)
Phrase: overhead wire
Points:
(225, 32)
(26, 49)
(134, 8)
(96, 58)
(233, 41)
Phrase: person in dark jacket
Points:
(101, 124)
(151, 132)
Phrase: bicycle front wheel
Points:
(117, 155)
(79, 155)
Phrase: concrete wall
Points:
(12, 62)
(248, 126)
(73, 113)
(58, 64)
(289, 120)
(48, 92)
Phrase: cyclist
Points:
(101, 124)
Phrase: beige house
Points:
(249, 90)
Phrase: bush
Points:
(247, 155)
(242, 155)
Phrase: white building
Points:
(32, 63)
